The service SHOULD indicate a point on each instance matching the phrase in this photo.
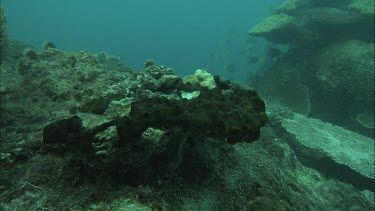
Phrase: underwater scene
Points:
(187, 105)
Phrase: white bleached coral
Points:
(201, 77)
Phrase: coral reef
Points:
(304, 22)
(81, 135)
(80, 131)
(276, 27)
(347, 69)
(108, 60)
(158, 71)
(327, 73)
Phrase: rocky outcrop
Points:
(108, 115)
(347, 69)
(304, 22)
(232, 115)
(277, 27)
(333, 150)
(328, 68)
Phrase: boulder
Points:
(336, 152)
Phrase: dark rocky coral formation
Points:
(232, 115)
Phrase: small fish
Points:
(271, 9)
(250, 40)
(229, 30)
(230, 68)
(253, 59)
(250, 46)
(215, 55)
(273, 52)
(243, 51)
(149, 63)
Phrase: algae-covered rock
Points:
(57, 132)
(234, 116)
(161, 127)
(335, 83)
(96, 105)
(346, 69)
(61, 75)
(330, 16)
(338, 152)
(272, 24)
(48, 45)
(303, 22)
(108, 60)
(289, 5)
(159, 71)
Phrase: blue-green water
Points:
(185, 35)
